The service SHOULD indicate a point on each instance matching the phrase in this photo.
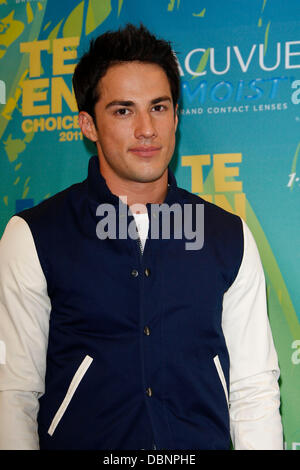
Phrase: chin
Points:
(148, 177)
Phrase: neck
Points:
(140, 194)
(137, 194)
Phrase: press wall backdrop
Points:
(239, 138)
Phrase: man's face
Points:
(135, 123)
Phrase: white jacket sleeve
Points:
(254, 397)
(24, 313)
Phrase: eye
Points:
(122, 112)
(159, 108)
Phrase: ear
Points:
(87, 126)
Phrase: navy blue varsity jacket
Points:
(136, 353)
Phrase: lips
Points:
(145, 151)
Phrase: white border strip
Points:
(71, 390)
(221, 376)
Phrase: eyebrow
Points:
(131, 103)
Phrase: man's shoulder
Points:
(54, 205)
(222, 234)
(211, 210)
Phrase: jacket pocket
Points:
(70, 392)
(221, 377)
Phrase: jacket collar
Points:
(99, 191)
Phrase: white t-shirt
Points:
(142, 224)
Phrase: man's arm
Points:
(24, 314)
(254, 397)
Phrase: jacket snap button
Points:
(134, 273)
(147, 272)
(149, 392)
(147, 330)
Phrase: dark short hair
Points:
(113, 47)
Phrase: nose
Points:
(145, 126)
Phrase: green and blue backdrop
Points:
(239, 139)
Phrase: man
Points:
(113, 341)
